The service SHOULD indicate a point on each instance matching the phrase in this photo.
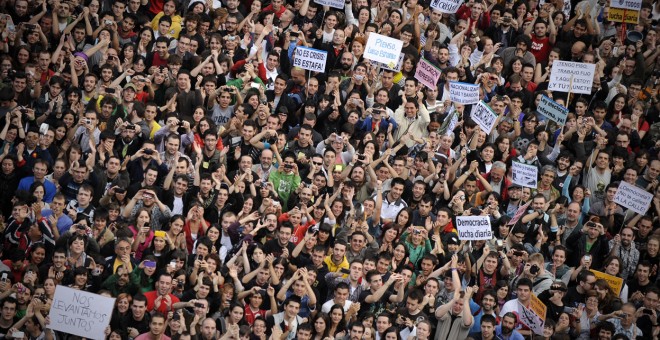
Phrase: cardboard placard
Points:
(473, 228)
(80, 313)
(427, 73)
(484, 116)
(446, 6)
(615, 283)
(383, 49)
(463, 93)
(569, 76)
(552, 110)
(524, 174)
(310, 59)
(633, 198)
(331, 3)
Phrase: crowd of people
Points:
(171, 155)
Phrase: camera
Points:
(110, 90)
(288, 166)
(120, 191)
(130, 127)
(518, 253)
(88, 121)
(647, 311)
(24, 110)
(108, 22)
(176, 317)
(534, 269)
(148, 152)
(416, 232)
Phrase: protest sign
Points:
(615, 283)
(463, 93)
(80, 313)
(310, 59)
(483, 115)
(625, 11)
(534, 315)
(331, 3)
(633, 198)
(396, 67)
(524, 174)
(427, 73)
(474, 228)
(383, 49)
(446, 6)
(552, 110)
(450, 121)
(569, 76)
(519, 213)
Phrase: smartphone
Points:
(199, 305)
(587, 258)
(150, 264)
(4, 277)
(18, 335)
(130, 127)
(43, 128)
(172, 264)
(159, 233)
(120, 191)
(345, 271)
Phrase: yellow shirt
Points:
(332, 267)
(175, 28)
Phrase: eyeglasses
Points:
(317, 163)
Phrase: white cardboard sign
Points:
(484, 116)
(569, 76)
(463, 93)
(80, 313)
(633, 198)
(446, 6)
(383, 49)
(310, 59)
(473, 228)
(524, 174)
(331, 3)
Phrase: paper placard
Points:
(427, 73)
(396, 67)
(80, 313)
(519, 213)
(464, 93)
(615, 283)
(446, 6)
(473, 228)
(534, 316)
(331, 3)
(484, 116)
(524, 174)
(310, 59)
(582, 75)
(552, 110)
(383, 49)
(628, 8)
(633, 198)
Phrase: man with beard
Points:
(119, 282)
(623, 246)
(506, 330)
(109, 176)
(130, 141)
(564, 161)
(346, 65)
(281, 245)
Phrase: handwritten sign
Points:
(396, 67)
(463, 93)
(331, 3)
(625, 11)
(383, 49)
(80, 313)
(474, 228)
(569, 76)
(310, 59)
(551, 109)
(633, 198)
(615, 283)
(524, 174)
(519, 213)
(484, 116)
(446, 6)
(534, 315)
(427, 73)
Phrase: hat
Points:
(514, 186)
(283, 110)
(558, 285)
(82, 55)
(453, 239)
(130, 86)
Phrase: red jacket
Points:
(504, 194)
